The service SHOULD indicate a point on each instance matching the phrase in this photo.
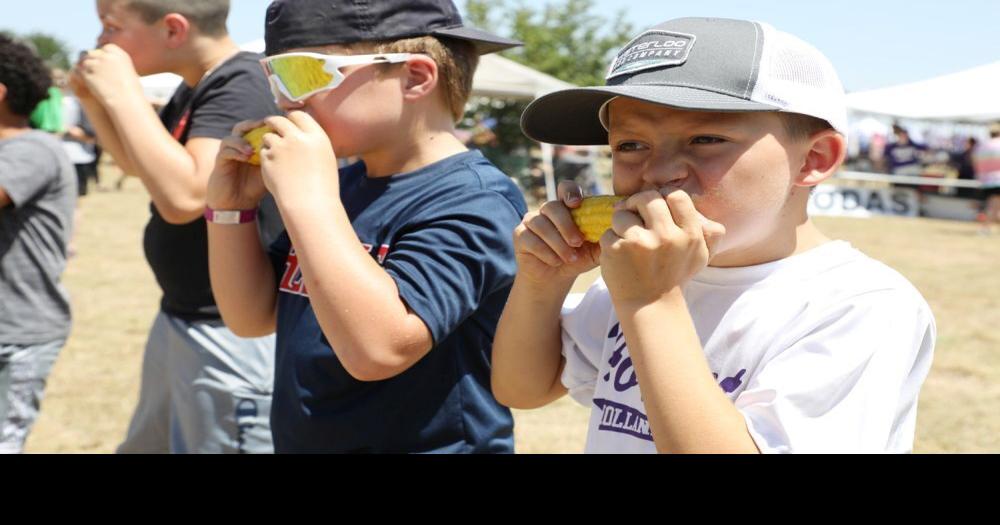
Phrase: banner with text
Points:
(863, 202)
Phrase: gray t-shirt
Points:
(34, 234)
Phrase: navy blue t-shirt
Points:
(444, 234)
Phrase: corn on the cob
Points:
(256, 139)
(593, 217)
(301, 74)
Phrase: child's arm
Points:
(527, 357)
(241, 272)
(656, 245)
(174, 175)
(374, 333)
(107, 135)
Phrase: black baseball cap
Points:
(294, 24)
(699, 64)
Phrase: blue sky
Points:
(873, 43)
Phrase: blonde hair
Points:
(456, 60)
(802, 127)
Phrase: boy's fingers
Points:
(652, 209)
(281, 126)
(570, 193)
(532, 244)
(545, 230)
(626, 224)
(305, 122)
(268, 140)
(714, 232)
(560, 216)
(683, 211)
(237, 145)
(247, 125)
(232, 154)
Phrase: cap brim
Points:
(485, 43)
(571, 116)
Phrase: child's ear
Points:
(827, 150)
(3, 92)
(178, 29)
(421, 77)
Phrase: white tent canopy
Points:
(970, 96)
(503, 78)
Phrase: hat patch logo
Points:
(652, 50)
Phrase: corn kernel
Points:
(256, 139)
(593, 217)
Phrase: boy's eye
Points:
(707, 140)
(627, 147)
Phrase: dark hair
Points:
(27, 78)
(208, 15)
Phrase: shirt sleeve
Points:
(241, 96)
(27, 170)
(453, 256)
(584, 328)
(849, 384)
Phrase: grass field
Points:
(94, 385)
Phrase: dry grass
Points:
(94, 385)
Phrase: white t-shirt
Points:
(824, 351)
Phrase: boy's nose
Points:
(665, 170)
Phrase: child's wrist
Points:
(230, 205)
(671, 298)
(543, 290)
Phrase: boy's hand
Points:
(657, 243)
(108, 72)
(549, 247)
(235, 184)
(297, 160)
(79, 85)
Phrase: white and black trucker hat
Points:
(703, 64)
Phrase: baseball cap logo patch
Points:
(652, 50)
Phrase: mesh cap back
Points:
(797, 78)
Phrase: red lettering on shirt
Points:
(292, 282)
(383, 252)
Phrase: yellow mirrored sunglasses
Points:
(298, 76)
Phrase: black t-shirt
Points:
(178, 254)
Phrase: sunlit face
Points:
(127, 30)
(738, 167)
(360, 114)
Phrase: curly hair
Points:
(26, 76)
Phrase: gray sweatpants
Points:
(24, 371)
(204, 390)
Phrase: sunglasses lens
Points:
(300, 74)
